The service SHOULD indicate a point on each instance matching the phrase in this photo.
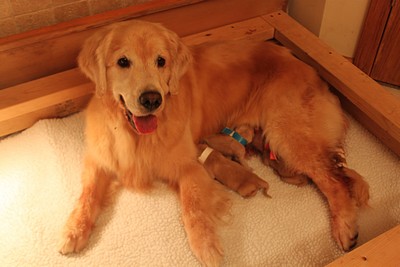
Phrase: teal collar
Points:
(235, 135)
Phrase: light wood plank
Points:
(366, 100)
(54, 96)
(43, 52)
(67, 92)
(252, 29)
(380, 251)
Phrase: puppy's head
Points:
(138, 64)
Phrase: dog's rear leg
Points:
(326, 169)
(204, 203)
(342, 206)
(96, 183)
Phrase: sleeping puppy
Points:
(230, 173)
(156, 99)
(229, 146)
(221, 155)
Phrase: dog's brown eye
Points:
(160, 62)
(123, 62)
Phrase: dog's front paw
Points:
(345, 232)
(206, 248)
(211, 257)
(74, 239)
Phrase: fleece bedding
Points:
(40, 182)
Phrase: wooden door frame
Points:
(372, 34)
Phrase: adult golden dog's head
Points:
(138, 64)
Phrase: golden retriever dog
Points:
(156, 99)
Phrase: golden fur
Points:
(203, 89)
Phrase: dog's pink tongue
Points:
(146, 124)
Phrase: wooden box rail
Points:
(380, 251)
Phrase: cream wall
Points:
(308, 12)
(337, 22)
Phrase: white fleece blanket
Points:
(40, 181)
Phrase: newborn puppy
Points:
(229, 146)
(230, 173)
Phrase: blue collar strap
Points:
(234, 135)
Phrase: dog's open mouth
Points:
(142, 124)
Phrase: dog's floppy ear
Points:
(181, 59)
(91, 59)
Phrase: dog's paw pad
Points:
(345, 234)
(249, 188)
(73, 241)
(212, 257)
(205, 246)
(66, 246)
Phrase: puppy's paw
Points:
(345, 232)
(250, 186)
(73, 240)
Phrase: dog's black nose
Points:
(151, 100)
